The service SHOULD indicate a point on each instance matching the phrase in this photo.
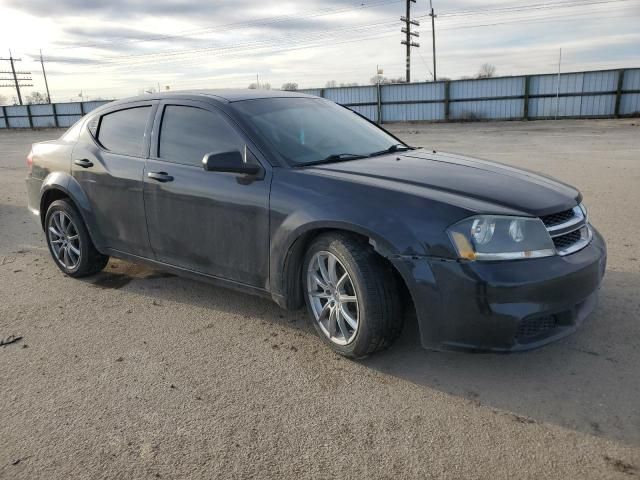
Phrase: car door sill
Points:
(184, 272)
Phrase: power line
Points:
(262, 44)
(232, 26)
(528, 7)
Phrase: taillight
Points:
(30, 160)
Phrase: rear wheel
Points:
(69, 241)
(351, 294)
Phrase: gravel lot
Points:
(137, 374)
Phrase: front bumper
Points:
(505, 306)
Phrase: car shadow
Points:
(589, 382)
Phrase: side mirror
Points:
(232, 162)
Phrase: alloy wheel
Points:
(333, 298)
(64, 240)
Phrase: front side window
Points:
(189, 133)
(308, 130)
(123, 131)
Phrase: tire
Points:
(373, 283)
(65, 230)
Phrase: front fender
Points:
(65, 183)
(303, 206)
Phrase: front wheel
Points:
(351, 294)
(69, 241)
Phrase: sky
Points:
(121, 48)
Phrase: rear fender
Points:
(68, 185)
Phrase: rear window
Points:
(123, 131)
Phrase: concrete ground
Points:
(136, 374)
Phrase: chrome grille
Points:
(557, 218)
(565, 241)
(569, 230)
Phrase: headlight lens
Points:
(490, 237)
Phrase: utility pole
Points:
(16, 80)
(433, 39)
(44, 74)
(408, 33)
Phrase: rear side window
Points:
(123, 131)
(188, 133)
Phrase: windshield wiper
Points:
(334, 158)
(398, 147)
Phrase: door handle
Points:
(84, 163)
(160, 176)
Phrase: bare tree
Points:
(260, 86)
(331, 84)
(487, 70)
(36, 98)
(384, 80)
(4, 100)
(349, 84)
(290, 86)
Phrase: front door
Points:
(208, 222)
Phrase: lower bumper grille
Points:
(533, 327)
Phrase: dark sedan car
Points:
(296, 198)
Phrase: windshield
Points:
(309, 131)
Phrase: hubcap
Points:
(64, 240)
(333, 298)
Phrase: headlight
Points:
(489, 237)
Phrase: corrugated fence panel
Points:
(598, 105)
(312, 91)
(486, 109)
(631, 79)
(44, 121)
(548, 84)
(68, 108)
(398, 92)
(42, 109)
(347, 95)
(88, 106)
(16, 111)
(3, 122)
(68, 120)
(495, 87)
(548, 107)
(369, 111)
(630, 104)
(606, 81)
(18, 122)
(409, 112)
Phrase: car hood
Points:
(464, 177)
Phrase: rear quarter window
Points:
(122, 131)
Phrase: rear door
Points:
(110, 167)
(209, 222)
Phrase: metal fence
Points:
(596, 94)
(46, 115)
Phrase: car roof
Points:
(221, 95)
